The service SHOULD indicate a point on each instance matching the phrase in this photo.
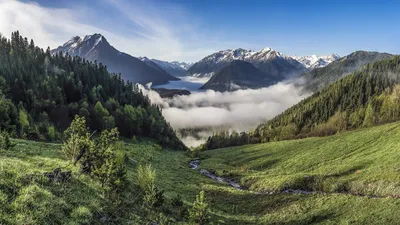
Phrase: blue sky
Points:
(191, 29)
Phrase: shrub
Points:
(102, 157)
(52, 133)
(147, 178)
(5, 142)
(199, 213)
(179, 206)
(77, 139)
(134, 140)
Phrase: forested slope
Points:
(41, 94)
(363, 98)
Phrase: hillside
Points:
(96, 48)
(41, 93)
(361, 162)
(364, 98)
(340, 169)
(238, 75)
(319, 78)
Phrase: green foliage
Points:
(36, 205)
(364, 98)
(23, 121)
(81, 215)
(61, 87)
(146, 176)
(77, 139)
(179, 207)
(8, 115)
(52, 133)
(198, 214)
(5, 142)
(102, 157)
(104, 162)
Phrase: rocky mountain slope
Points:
(96, 48)
(267, 60)
(239, 75)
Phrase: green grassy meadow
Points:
(339, 169)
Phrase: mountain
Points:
(96, 48)
(178, 69)
(267, 60)
(321, 77)
(238, 75)
(312, 61)
(50, 91)
(364, 98)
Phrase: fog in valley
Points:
(203, 113)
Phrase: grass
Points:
(338, 168)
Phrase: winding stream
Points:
(194, 164)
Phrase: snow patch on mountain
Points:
(314, 61)
(174, 68)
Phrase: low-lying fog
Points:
(208, 111)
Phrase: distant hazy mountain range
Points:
(96, 48)
(178, 69)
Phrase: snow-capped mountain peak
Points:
(262, 59)
(82, 46)
(314, 61)
(174, 68)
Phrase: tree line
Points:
(41, 93)
(364, 98)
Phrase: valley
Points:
(129, 112)
(350, 162)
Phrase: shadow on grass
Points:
(315, 219)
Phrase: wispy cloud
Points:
(141, 28)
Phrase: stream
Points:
(194, 164)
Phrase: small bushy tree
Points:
(147, 182)
(199, 213)
(77, 139)
(102, 158)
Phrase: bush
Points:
(52, 133)
(77, 139)
(179, 206)
(147, 178)
(199, 213)
(101, 157)
(5, 142)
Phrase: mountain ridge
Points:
(238, 75)
(96, 48)
(267, 60)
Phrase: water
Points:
(191, 84)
